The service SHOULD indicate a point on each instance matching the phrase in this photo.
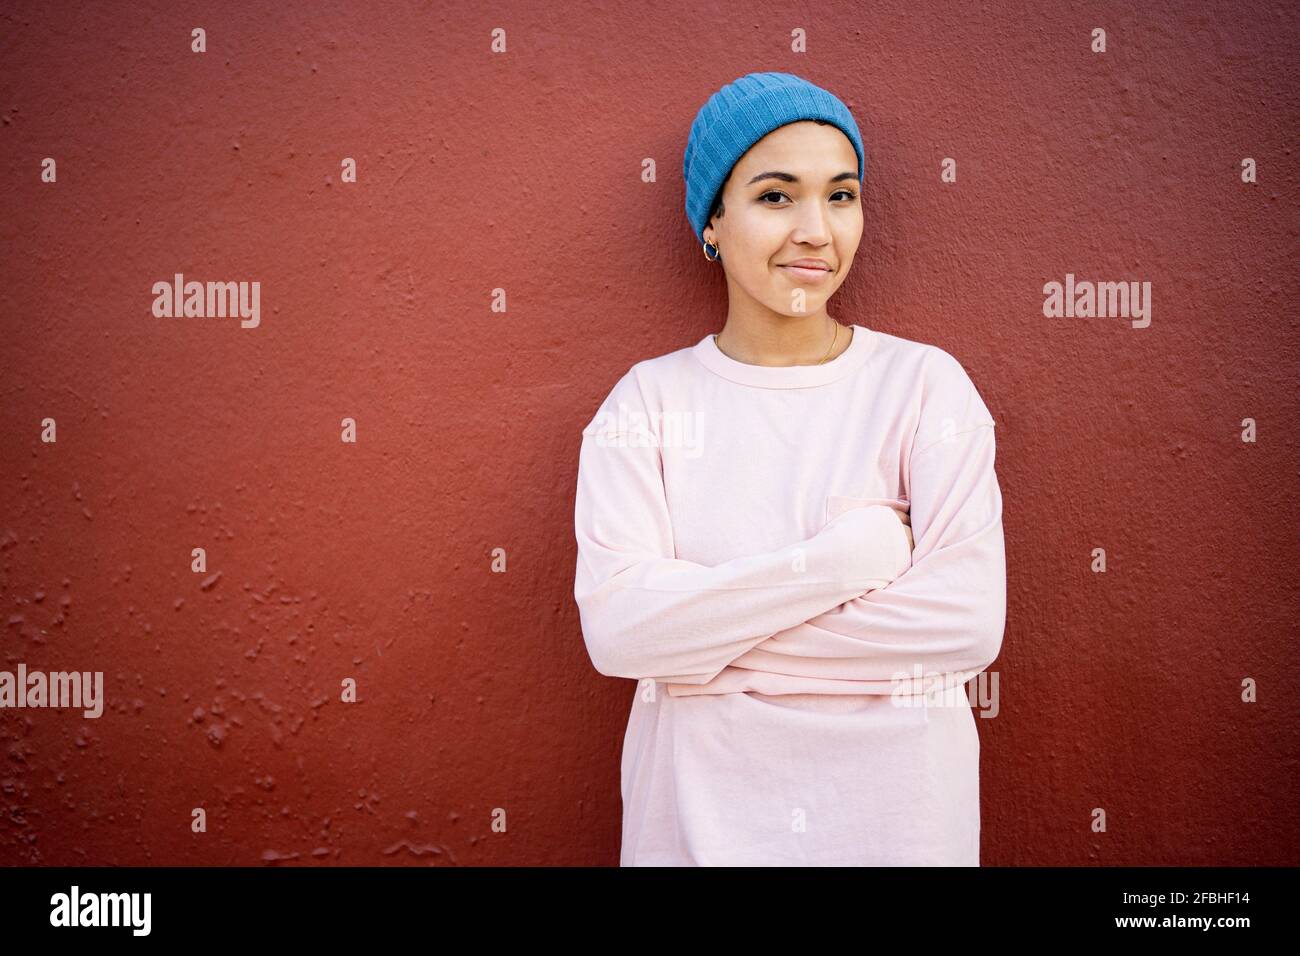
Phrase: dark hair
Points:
(717, 204)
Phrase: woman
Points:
(790, 534)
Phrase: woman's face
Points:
(793, 195)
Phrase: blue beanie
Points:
(738, 116)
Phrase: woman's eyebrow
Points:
(787, 178)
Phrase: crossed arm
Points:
(846, 611)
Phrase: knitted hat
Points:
(738, 116)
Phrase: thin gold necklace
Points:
(835, 338)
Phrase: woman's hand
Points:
(906, 518)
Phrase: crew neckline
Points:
(787, 376)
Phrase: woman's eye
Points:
(848, 194)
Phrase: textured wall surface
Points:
(329, 560)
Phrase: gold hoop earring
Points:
(717, 252)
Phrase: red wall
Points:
(521, 171)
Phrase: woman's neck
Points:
(805, 340)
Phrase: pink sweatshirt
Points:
(739, 556)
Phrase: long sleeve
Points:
(942, 620)
(647, 614)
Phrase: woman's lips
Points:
(807, 275)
